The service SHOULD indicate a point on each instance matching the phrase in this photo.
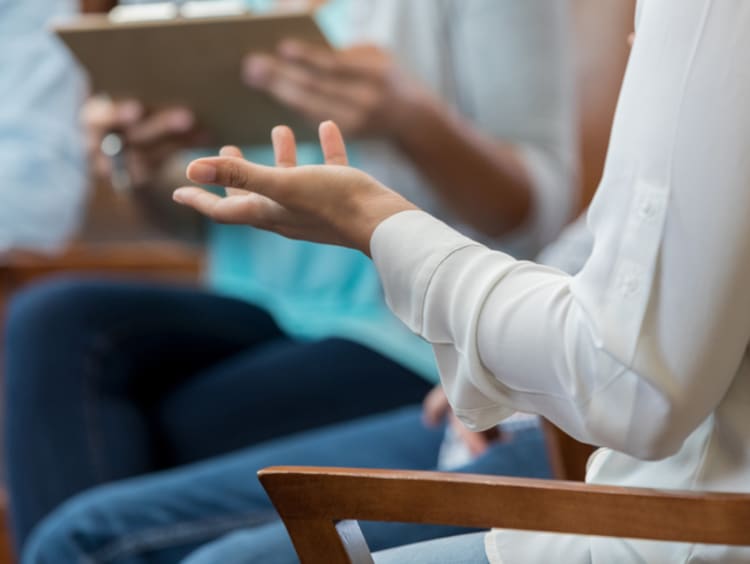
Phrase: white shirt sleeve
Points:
(42, 167)
(636, 350)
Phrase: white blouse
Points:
(643, 352)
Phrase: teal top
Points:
(313, 291)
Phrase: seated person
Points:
(645, 350)
(42, 175)
(164, 517)
(115, 380)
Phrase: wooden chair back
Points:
(321, 507)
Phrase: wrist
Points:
(376, 212)
(416, 117)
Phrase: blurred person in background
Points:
(42, 171)
(42, 159)
(109, 381)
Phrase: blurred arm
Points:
(42, 166)
(511, 162)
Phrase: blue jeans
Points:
(462, 549)
(217, 511)
(106, 381)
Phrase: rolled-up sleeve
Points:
(42, 167)
(636, 350)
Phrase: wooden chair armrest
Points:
(313, 502)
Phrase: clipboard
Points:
(194, 62)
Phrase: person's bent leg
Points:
(151, 520)
(282, 388)
(268, 544)
(397, 440)
(165, 516)
(85, 360)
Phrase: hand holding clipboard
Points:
(193, 63)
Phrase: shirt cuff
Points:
(407, 249)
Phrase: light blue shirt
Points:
(313, 291)
(42, 167)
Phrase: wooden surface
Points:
(6, 548)
(313, 499)
(143, 260)
(97, 6)
(567, 457)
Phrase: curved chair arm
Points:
(319, 506)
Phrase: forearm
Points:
(42, 170)
(483, 180)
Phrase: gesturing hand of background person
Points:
(361, 88)
(149, 139)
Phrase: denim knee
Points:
(34, 309)
(70, 535)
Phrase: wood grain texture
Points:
(7, 554)
(97, 6)
(568, 457)
(327, 495)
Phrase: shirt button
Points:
(648, 209)
(630, 285)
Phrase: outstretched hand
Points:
(331, 203)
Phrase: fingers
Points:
(235, 172)
(231, 151)
(435, 407)
(248, 209)
(231, 170)
(235, 152)
(103, 114)
(363, 61)
(293, 82)
(291, 85)
(477, 443)
(284, 146)
(160, 125)
(197, 198)
(100, 115)
(320, 58)
(332, 144)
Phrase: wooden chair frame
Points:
(320, 506)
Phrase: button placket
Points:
(634, 267)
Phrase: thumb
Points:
(237, 173)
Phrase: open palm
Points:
(331, 203)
